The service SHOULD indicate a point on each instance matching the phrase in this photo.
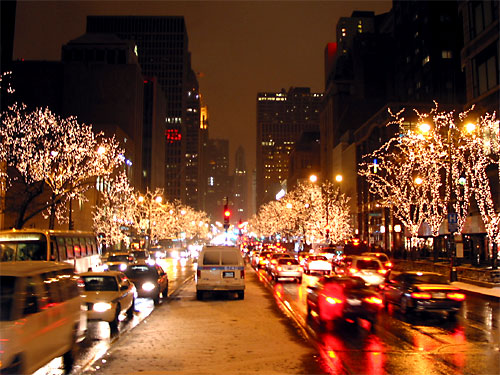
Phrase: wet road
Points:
(425, 344)
(99, 338)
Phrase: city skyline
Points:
(227, 41)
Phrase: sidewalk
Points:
(492, 292)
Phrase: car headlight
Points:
(102, 306)
(123, 267)
(148, 286)
(105, 267)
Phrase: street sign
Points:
(452, 218)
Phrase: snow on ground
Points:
(220, 335)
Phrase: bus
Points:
(78, 248)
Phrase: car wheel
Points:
(114, 323)
(199, 295)
(130, 310)
(16, 366)
(241, 294)
(403, 306)
(156, 299)
(70, 355)
(164, 293)
(452, 315)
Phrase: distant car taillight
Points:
(373, 300)
(456, 296)
(333, 300)
(353, 270)
(382, 271)
(421, 295)
(388, 264)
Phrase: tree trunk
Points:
(52, 217)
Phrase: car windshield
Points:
(140, 272)
(118, 258)
(427, 279)
(364, 264)
(100, 283)
(7, 284)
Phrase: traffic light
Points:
(227, 215)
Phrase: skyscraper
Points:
(162, 49)
(281, 119)
(240, 186)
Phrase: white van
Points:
(220, 268)
(41, 315)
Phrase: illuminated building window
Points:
(446, 54)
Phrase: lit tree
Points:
(45, 150)
(115, 211)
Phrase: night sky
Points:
(239, 48)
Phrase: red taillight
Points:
(279, 268)
(456, 296)
(333, 300)
(198, 273)
(242, 274)
(373, 300)
(353, 270)
(388, 264)
(382, 271)
(421, 295)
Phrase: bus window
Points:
(61, 247)
(92, 244)
(32, 251)
(83, 247)
(76, 247)
(7, 252)
(69, 248)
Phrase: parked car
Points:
(220, 268)
(108, 295)
(118, 261)
(386, 262)
(415, 291)
(150, 280)
(41, 315)
(369, 269)
(343, 298)
(317, 264)
(286, 268)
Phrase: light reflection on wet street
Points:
(422, 343)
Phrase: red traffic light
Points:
(227, 213)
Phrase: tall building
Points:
(281, 119)
(479, 55)
(193, 143)
(219, 185)
(162, 48)
(240, 186)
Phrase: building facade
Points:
(282, 117)
(162, 49)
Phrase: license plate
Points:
(228, 274)
(353, 301)
(438, 295)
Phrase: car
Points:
(369, 269)
(107, 295)
(220, 268)
(342, 298)
(141, 255)
(158, 252)
(261, 258)
(415, 291)
(286, 267)
(42, 315)
(273, 260)
(386, 262)
(317, 264)
(150, 280)
(118, 261)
